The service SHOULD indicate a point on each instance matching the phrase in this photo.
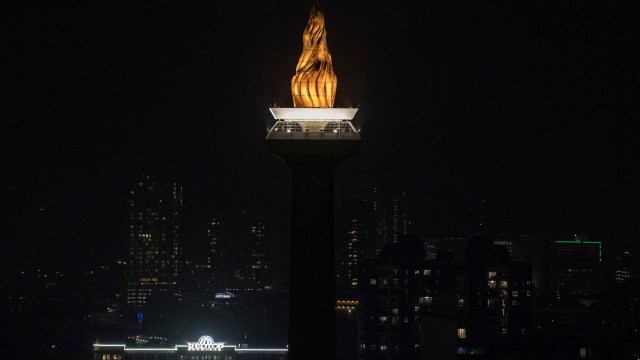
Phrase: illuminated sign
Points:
(224, 295)
(205, 343)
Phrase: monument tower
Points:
(313, 137)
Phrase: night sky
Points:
(521, 110)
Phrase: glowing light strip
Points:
(313, 113)
(583, 242)
(265, 350)
(151, 349)
(577, 242)
(231, 347)
(110, 345)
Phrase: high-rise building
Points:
(258, 274)
(537, 250)
(577, 267)
(500, 293)
(402, 215)
(313, 138)
(355, 241)
(625, 267)
(155, 237)
(215, 259)
(409, 307)
(396, 218)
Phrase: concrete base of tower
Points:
(312, 314)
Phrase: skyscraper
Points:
(313, 138)
(215, 258)
(155, 236)
(395, 219)
(577, 267)
(355, 240)
(258, 268)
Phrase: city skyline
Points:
(502, 104)
(482, 201)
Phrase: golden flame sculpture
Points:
(314, 84)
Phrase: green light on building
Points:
(580, 242)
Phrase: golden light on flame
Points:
(314, 84)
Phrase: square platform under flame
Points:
(313, 123)
(311, 114)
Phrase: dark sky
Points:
(528, 106)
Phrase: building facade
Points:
(155, 239)
(413, 308)
(258, 271)
(578, 269)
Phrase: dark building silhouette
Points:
(355, 240)
(155, 239)
(499, 300)
(395, 217)
(537, 250)
(403, 297)
(411, 308)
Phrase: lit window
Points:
(462, 333)
(584, 352)
(514, 293)
(384, 319)
(425, 300)
(373, 281)
(503, 284)
(427, 272)
(491, 284)
(395, 311)
(491, 274)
